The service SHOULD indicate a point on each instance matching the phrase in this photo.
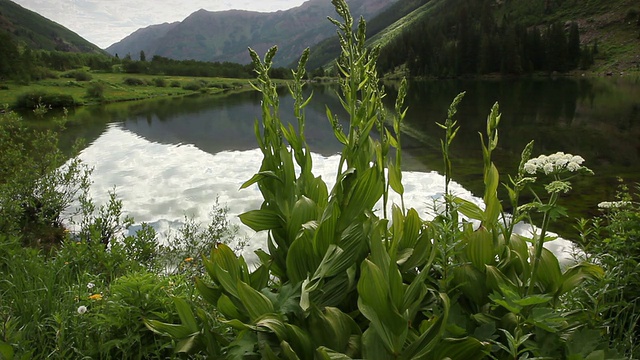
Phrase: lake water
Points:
(169, 158)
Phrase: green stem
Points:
(539, 244)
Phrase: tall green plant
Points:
(338, 281)
(343, 280)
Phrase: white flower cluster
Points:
(554, 163)
(613, 204)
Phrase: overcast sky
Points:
(104, 22)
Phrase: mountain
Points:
(327, 50)
(225, 35)
(470, 37)
(151, 35)
(36, 32)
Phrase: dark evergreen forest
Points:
(469, 40)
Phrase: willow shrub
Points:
(343, 280)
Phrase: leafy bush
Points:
(32, 99)
(36, 182)
(613, 240)
(175, 84)
(95, 90)
(160, 82)
(134, 82)
(78, 75)
(194, 85)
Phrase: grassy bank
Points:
(86, 88)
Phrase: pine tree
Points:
(573, 46)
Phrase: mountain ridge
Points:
(225, 35)
(37, 32)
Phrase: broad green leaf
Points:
(263, 219)
(304, 210)
(533, 300)
(226, 281)
(373, 346)
(187, 345)
(466, 348)
(375, 303)
(412, 227)
(492, 204)
(173, 330)
(326, 353)
(548, 275)
(300, 341)
(255, 302)
(431, 332)
(274, 324)
(574, 276)
(479, 248)
(367, 190)
(395, 179)
(288, 351)
(260, 176)
(259, 278)
(469, 209)
(472, 283)
(226, 259)
(208, 292)
(228, 308)
(301, 260)
(186, 314)
(6, 351)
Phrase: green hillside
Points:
(327, 50)
(36, 32)
(473, 37)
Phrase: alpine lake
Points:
(172, 158)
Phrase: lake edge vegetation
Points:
(341, 279)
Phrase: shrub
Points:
(95, 90)
(134, 81)
(160, 82)
(78, 75)
(195, 85)
(175, 84)
(613, 240)
(32, 99)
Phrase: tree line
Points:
(21, 63)
(463, 43)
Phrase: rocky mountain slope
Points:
(225, 35)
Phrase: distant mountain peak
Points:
(225, 35)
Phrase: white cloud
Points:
(106, 22)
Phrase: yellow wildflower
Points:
(96, 297)
(189, 259)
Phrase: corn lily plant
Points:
(339, 279)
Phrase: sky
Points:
(105, 22)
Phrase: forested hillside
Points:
(468, 37)
(36, 32)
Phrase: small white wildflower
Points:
(82, 309)
(561, 162)
(91, 285)
(548, 168)
(612, 204)
(530, 167)
(573, 166)
(577, 159)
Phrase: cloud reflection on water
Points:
(160, 184)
